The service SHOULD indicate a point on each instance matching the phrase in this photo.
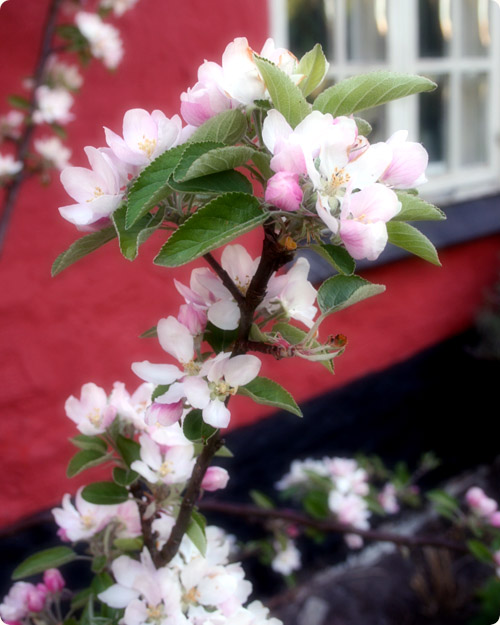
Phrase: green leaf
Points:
(217, 160)
(480, 551)
(86, 459)
(222, 220)
(89, 442)
(192, 153)
(81, 247)
(314, 66)
(339, 292)
(263, 164)
(129, 449)
(59, 130)
(445, 504)
(124, 477)
(316, 504)
(218, 339)
(261, 500)
(195, 429)
(414, 208)
(161, 389)
(19, 102)
(337, 256)
(196, 532)
(43, 560)
(222, 182)
(98, 564)
(412, 240)
(129, 544)
(287, 98)
(227, 127)
(368, 90)
(223, 452)
(101, 582)
(80, 599)
(149, 334)
(364, 127)
(136, 235)
(152, 185)
(270, 393)
(105, 493)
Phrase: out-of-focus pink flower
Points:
(353, 541)
(53, 105)
(283, 191)
(36, 598)
(409, 162)
(479, 502)
(14, 607)
(53, 580)
(215, 478)
(104, 39)
(388, 500)
(494, 519)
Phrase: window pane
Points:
(377, 118)
(433, 120)
(434, 18)
(474, 119)
(308, 26)
(366, 30)
(475, 27)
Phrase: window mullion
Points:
(455, 100)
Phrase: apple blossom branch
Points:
(13, 188)
(250, 512)
(273, 257)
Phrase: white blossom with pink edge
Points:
(132, 408)
(293, 294)
(82, 520)
(53, 105)
(145, 136)
(480, 503)
(104, 39)
(14, 607)
(362, 220)
(162, 464)
(92, 413)
(9, 166)
(206, 98)
(97, 191)
(294, 150)
(409, 162)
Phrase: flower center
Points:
(87, 521)
(165, 468)
(147, 146)
(95, 417)
(338, 178)
(154, 613)
(97, 193)
(192, 367)
(192, 596)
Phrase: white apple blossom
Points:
(387, 498)
(286, 559)
(9, 166)
(119, 7)
(409, 162)
(15, 607)
(165, 465)
(10, 124)
(292, 293)
(54, 151)
(132, 408)
(82, 520)
(298, 474)
(207, 97)
(104, 39)
(92, 413)
(61, 74)
(97, 191)
(53, 105)
(348, 476)
(145, 136)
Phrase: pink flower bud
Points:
(36, 598)
(283, 191)
(193, 318)
(494, 519)
(292, 531)
(164, 414)
(53, 580)
(215, 478)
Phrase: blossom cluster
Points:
(323, 168)
(346, 488)
(54, 97)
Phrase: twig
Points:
(226, 279)
(291, 516)
(12, 189)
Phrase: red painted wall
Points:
(56, 334)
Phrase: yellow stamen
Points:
(147, 146)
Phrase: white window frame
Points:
(458, 182)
